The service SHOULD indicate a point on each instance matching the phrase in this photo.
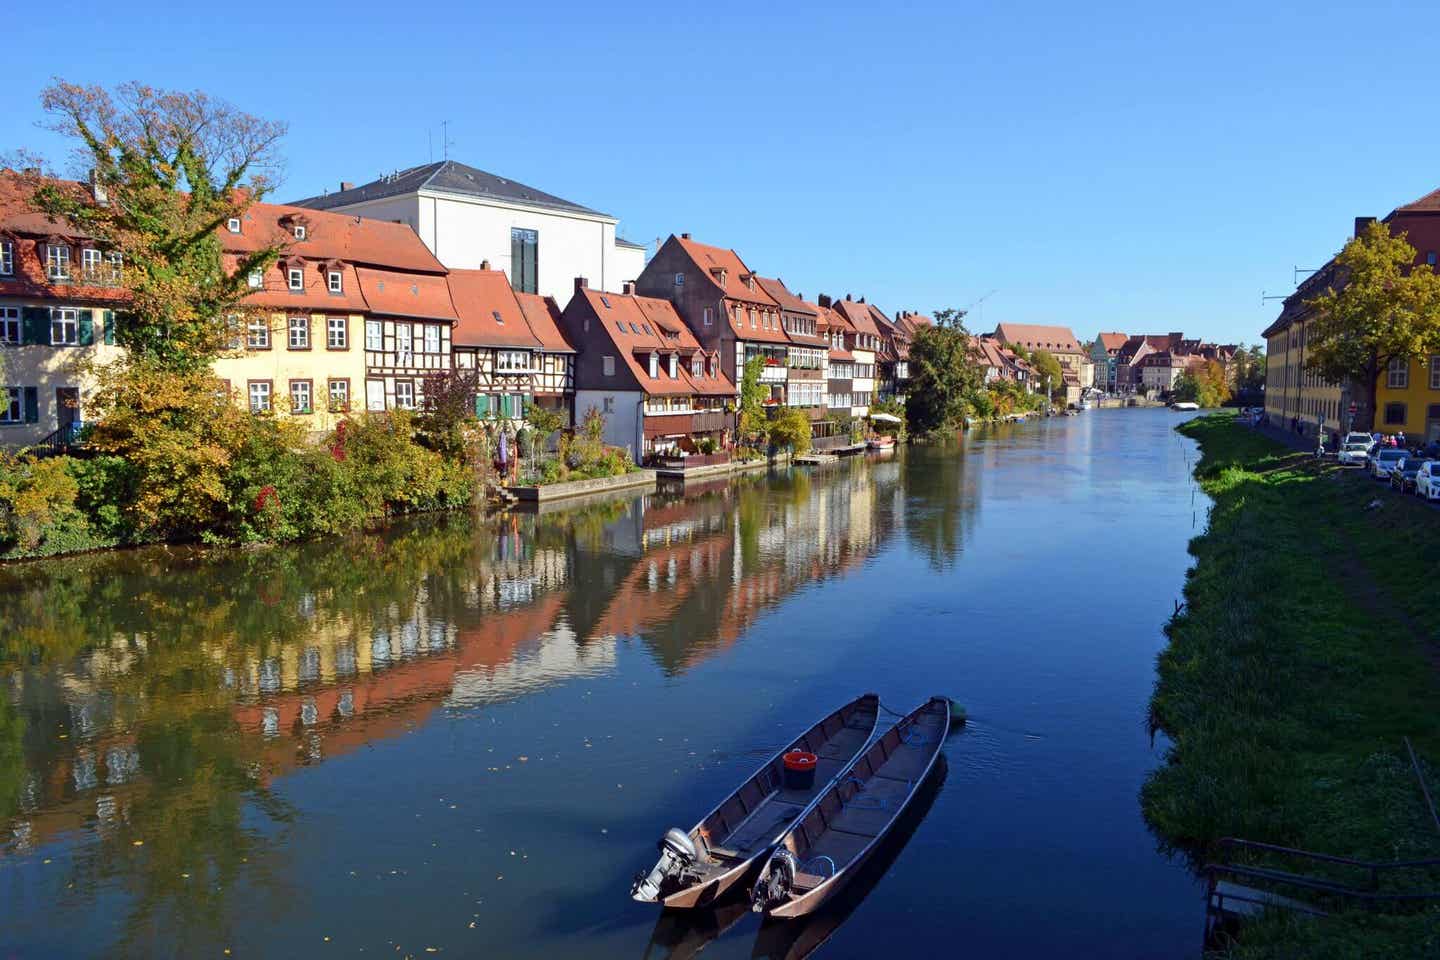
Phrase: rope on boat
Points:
(811, 862)
(892, 713)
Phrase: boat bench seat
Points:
(805, 882)
(725, 853)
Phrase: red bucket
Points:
(800, 769)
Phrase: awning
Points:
(885, 417)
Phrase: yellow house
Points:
(1407, 398)
(1294, 396)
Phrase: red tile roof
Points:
(1112, 342)
(639, 326)
(858, 316)
(717, 261)
(359, 240)
(416, 295)
(543, 315)
(1039, 337)
(490, 315)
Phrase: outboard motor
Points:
(774, 887)
(677, 851)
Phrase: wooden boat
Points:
(699, 867)
(823, 849)
(881, 443)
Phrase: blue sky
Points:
(1132, 167)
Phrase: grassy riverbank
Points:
(1306, 651)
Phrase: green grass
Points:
(1303, 656)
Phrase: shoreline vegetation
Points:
(1305, 652)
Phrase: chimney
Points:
(581, 284)
(847, 298)
(823, 300)
(628, 288)
(684, 236)
(346, 185)
(862, 299)
(484, 264)
(1361, 223)
(97, 189)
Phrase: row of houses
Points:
(1152, 363)
(442, 267)
(1407, 392)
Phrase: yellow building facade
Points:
(1407, 399)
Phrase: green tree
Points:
(790, 428)
(752, 400)
(1385, 309)
(169, 169)
(1046, 366)
(944, 374)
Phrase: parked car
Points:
(1427, 480)
(1353, 455)
(1402, 478)
(1385, 460)
(1356, 437)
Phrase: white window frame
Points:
(607, 365)
(300, 231)
(114, 265)
(336, 281)
(404, 344)
(709, 316)
(7, 257)
(299, 333)
(344, 393)
(1397, 377)
(405, 399)
(67, 321)
(233, 224)
(431, 336)
(12, 405)
(295, 279)
(257, 333)
(512, 361)
(654, 365)
(90, 263)
(337, 333)
(679, 279)
(256, 280)
(10, 329)
(697, 366)
(57, 261)
(308, 388)
(259, 390)
(674, 367)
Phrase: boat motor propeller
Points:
(677, 851)
(779, 878)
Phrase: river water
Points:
(464, 736)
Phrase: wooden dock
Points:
(816, 458)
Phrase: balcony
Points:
(806, 373)
(775, 374)
(686, 422)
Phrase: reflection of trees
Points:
(941, 504)
(12, 755)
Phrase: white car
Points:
(1353, 454)
(1354, 437)
(1427, 481)
(1385, 460)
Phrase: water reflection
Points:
(150, 700)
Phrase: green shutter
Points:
(481, 405)
(109, 318)
(32, 405)
(87, 327)
(505, 405)
(35, 325)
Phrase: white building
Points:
(467, 217)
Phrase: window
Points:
(90, 263)
(299, 333)
(57, 261)
(679, 279)
(524, 259)
(607, 405)
(404, 343)
(512, 361)
(1398, 376)
(7, 257)
(233, 224)
(259, 396)
(606, 301)
(113, 262)
(499, 320)
(709, 319)
(337, 333)
(9, 324)
(339, 396)
(373, 338)
(300, 396)
(634, 329)
(11, 408)
(654, 364)
(257, 333)
(296, 279)
(1435, 371)
(405, 394)
(64, 326)
(333, 278)
(299, 231)
(1395, 414)
(674, 371)
(697, 367)
(432, 338)
(607, 364)
(256, 280)
(1430, 257)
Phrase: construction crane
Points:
(980, 303)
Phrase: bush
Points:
(790, 428)
(38, 512)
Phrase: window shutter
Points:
(32, 405)
(482, 405)
(87, 327)
(35, 323)
(109, 319)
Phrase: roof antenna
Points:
(430, 144)
(445, 138)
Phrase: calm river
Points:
(465, 736)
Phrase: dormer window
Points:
(674, 371)
(296, 278)
(679, 279)
(7, 257)
(335, 280)
(654, 365)
(255, 280)
(299, 231)
(498, 319)
(697, 366)
(233, 224)
(57, 261)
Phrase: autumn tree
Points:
(752, 400)
(1047, 368)
(1205, 384)
(1386, 308)
(944, 375)
(168, 170)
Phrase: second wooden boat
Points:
(823, 849)
(699, 867)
